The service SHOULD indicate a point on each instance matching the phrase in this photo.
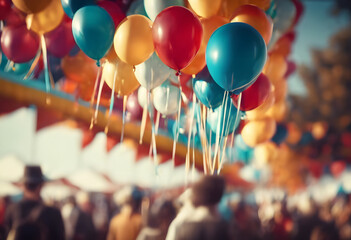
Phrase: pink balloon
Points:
(113, 10)
(60, 41)
(19, 44)
(5, 8)
(133, 107)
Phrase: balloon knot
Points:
(134, 68)
(98, 63)
(178, 73)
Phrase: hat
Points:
(208, 190)
(32, 174)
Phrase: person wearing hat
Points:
(202, 222)
(30, 218)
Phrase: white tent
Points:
(8, 189)
(11, 169)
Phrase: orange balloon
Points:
(265, 153)
(209, 25)
(47, 19)
(278, 111)
(229, 6)
(205, 8)
(260, 111)
(258, 131)
(275, 67)
(111, 55)
(79, 68)
(294, 133)
(255, 17)
(31, 6)
(123, 75)
(133, 40)
(263, 4)
(280, 90)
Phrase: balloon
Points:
(142, 96)
(272, 10)
(275, 67)
(286, 12)
(254, 95)
(207, 90)
(19, 44)
(114, 10)
(337, 167)
(291, 68)
(154, 7)
(133, 40)
(235, 55)
(255, 17)
(137, 7)
(261, 110)
(72, 6)
(229, 6)
(15, 18)
(226, 117)
(31, 6)
(60, 41)
(135, 111)
(205, 8)
(263, 4)
(152, 73)
(177, 35)
(281, 134)
(48, 19)
(294, 134)
(5, 8)
(242, 151)
(209, 25)
(122, 74)
(280, 90)
(79, 68)
(258, 131)
(93, 31)
(277, 111)
(166, 98)
(265, 153)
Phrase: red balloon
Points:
(5, 8)
(254, 95)
(133, 107)
(60, 41)
(291, 68)
(15, 18)
(177, 35)
(114, 10)
(337, 167)
(19, 44)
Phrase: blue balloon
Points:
(93, 30)
(226, 117)
(207, 90)
(281, 134)
(235, 55)
(72, 6)
(137, 7)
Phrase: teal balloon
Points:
(226, 117)
(72, 6)
(207, 90)
(137, 7)
(21, 68)
(235, 56)
(272, 10)
(93, 30)
(154, 7)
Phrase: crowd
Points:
(200, 212)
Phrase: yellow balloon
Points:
(229, 6)
(278, 111)
(263, 4)
(275, 67)
(133, 40)
(260, 111)
(48, 19)
(205, 8)
(265, 153)
(280, 90)
(209, 25)
(258, 131)
(123, 75)
(31, 6)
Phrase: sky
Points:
(58, 150)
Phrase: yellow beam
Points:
(28, 95)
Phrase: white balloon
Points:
(152, 73)
(154, 7)
(142, 96)
(166, 99)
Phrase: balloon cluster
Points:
(235, 51)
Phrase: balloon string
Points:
(175, 139)
(153, 138)
(208, 144)
(99, 78)
(124, 116)
(187, 158)
(46, 69)
(1, 27)
(34, 64)
(157, 124)
(143, 124)
(9, 66)
(193, 170)
(112, 102)
(200, 127)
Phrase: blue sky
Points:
(313, 31)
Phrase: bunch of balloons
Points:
(235, 52)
